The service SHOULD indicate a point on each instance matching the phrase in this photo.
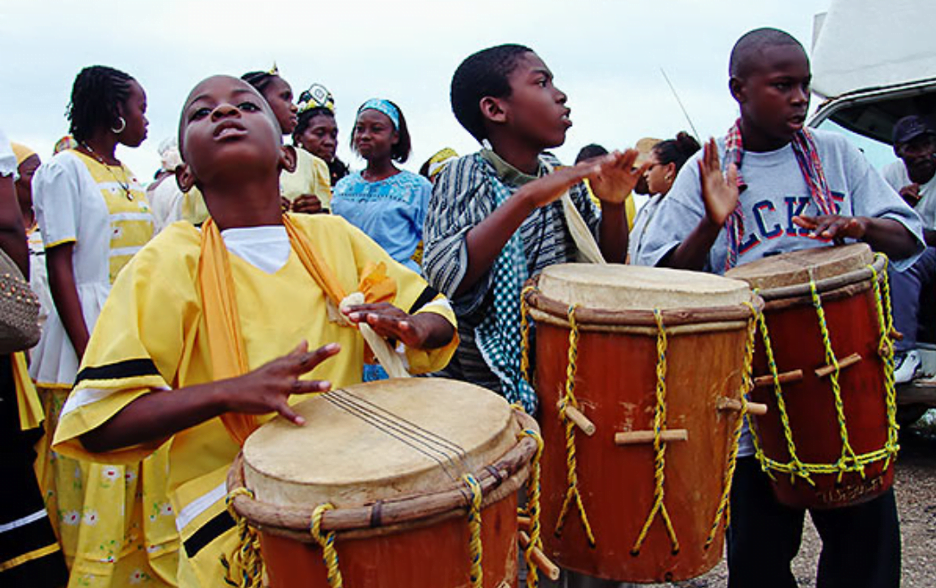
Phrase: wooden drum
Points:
(830, 437)
(640, 374)
(375, 487)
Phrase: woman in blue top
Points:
(387, 203)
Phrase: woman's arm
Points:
(65, 295)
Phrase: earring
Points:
(121, 127)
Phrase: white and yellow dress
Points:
(154, 335)
(114, 522)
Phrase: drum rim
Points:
(585, 315)
(400, 512)
(823, 286)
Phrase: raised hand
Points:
(617, 176)
(268, 388)
(719, 193)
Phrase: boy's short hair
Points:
(748, 49)
(590, 151)
(483, 74)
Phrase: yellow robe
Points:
(151, 336)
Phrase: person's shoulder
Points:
(64, 168)
(413, 179)
(833, 141)
(331, 234)
(469, 168)
(316, 224)
(167, 264)
(894, 169)
(67, 161)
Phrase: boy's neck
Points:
(755, 140)
(517, 153)
(239, 203)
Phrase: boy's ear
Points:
(185, 179)
(288, 158)
(493, 109)
(736, 86)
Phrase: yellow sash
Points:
(27, 399)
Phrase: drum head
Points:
(791, 269)
(378, 441)
(630, 287)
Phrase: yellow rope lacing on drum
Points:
(244, 567)
(327, 542)
(747, 384)
(882, 304)
(532, 509)
(525, 334)
(476, 572)
(568, 399)
(659, 446)
(849, 461)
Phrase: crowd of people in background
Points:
(127, 307)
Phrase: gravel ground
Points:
(916, 501)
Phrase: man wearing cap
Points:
(913, 177)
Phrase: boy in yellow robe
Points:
(194, 343)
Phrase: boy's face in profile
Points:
(227, 126)
(536, 108)
(774, 96)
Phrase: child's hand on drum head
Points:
(617, 176)
(836, 227)
(268, 388)
(425, 330)
(719, 193)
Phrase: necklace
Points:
(124, 184)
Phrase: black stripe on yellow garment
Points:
(42, 568)
(208, 533)
(427, 296)
(129, 368)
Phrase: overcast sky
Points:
(606, 55)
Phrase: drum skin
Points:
(797, 344)
(432, 556)
(615, 387)
(372, 448)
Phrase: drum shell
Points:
(436, 554)
(615, 387)
(797, 343)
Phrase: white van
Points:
(874, 62)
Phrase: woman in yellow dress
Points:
(114, 522)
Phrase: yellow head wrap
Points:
(441, 159)
(22, 152)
